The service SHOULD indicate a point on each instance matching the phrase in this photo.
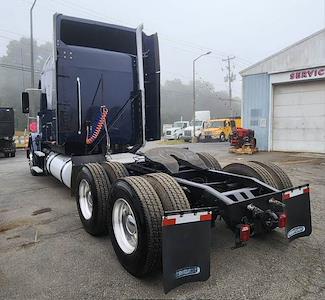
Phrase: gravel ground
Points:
(47, 255)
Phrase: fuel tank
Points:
(60, 166)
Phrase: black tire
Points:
(277, 172)
(210, 161)
(222, 137)
(171, 194)
(96, 177)
(6, 155)
(115, 170)
(148, 212)
(252, 170)
(13, 154)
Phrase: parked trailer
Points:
(100, 103)
(7, 131)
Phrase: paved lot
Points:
(49, 255)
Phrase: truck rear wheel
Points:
(252, 170)
(282, 177)
(135, 225)
(92, 196)
(210, 161)
(114, 170)
(171, 194)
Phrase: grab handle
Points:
(79, 105)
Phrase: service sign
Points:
(308, 74)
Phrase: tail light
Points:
(245, 232)
(33, 127)
(282, 220)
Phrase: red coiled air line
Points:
(100, 124)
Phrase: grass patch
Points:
(171, 142)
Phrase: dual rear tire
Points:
(210, 161)
(269, 173)
(130, 209)
(145, 198)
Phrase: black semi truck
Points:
(7, 131)
(99, 105)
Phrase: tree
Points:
(177, 101)
(15, 74)
(176, 97)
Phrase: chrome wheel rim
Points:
(124, 226)
(85, 199)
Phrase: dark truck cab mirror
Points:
(25, 102)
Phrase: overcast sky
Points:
(249, 29)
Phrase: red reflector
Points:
(168, 222)
(282, 220)
(245, 232)
(306, 190)
(207, 217)
(285, 196)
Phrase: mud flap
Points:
(297, 209)
(185, 247)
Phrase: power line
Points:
(184, 43)
(185, 46)
(18, 68)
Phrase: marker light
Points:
(282, 220)
(245, 232)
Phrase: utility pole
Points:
(194, 93)
(32, 45)
(229, 78)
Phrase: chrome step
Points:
(39, 153)
(38, 170)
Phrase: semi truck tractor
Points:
(99, 106)
(7, 131)
(176, 131)
(201, 118)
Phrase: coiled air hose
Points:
(101, 122)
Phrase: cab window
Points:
(216, 124)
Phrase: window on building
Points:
(254, 117)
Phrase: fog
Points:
(249, 30)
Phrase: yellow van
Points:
(219, 129)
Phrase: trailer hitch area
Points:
(297, 211)
(269, 220)
(259, 221)
(292, 213)
(186, 237)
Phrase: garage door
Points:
(299, 117)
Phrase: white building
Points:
(284, 97)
